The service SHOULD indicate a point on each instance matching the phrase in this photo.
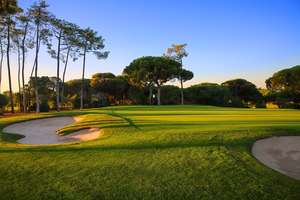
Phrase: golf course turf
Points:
(151, 152)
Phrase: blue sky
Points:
(226, 38)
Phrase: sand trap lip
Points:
(43, 131)
(280, 153)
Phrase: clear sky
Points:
(226, 38)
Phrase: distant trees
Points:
(65, 34)
(152, 70)
(2, 47)
(178, 52)
(40, 16)
(25, 27)
(3, 102)
(285, 80)
(211, 94)
(9, 9)
(284, 87)
(32, 29)
(170, 95)
(139, 74)
(46, 87)
(73, 92)
(110, 86)
(244, 90)
(89, 42)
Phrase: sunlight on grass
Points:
(149, 152)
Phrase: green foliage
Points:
(72, 91)
(157, 70)
(243, 89)
(44, 107)
(150, 70)
(287, 79)
(285, 88)
(185, 75)
(284, 99)
(211, 94)
(109, 84)
(3, 101)
(170, 95)
(9, 7)
(137, 95)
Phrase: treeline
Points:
(104, 89)
(22, 31)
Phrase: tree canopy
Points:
(286, 79)
(244, 90)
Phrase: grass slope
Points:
(166, 152)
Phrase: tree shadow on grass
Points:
(213, 141)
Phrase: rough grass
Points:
(150, 152)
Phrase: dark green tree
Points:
(109, 84)
(211, 94)
(3, 102)
(40, 17)
(8, 11)
(244, 90)
(138, 75)
(156, 70)
(285, 80)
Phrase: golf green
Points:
(151, 152)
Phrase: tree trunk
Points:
(181, 91)
(23, 68)
(57, 73)
(158, 94)
(19, 78)
(8, 68)
(150, 95)
(33, 68)
(34, 63)
(82, 80)
(181, 86)
(63, 78)
(37, 100)
(1, 62)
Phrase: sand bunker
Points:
(280, 153)
(43, 131)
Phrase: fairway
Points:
(151, 152)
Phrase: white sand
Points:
(280, 153)
(44, 131)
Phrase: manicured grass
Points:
(150, 152)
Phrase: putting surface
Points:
(150, 152)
